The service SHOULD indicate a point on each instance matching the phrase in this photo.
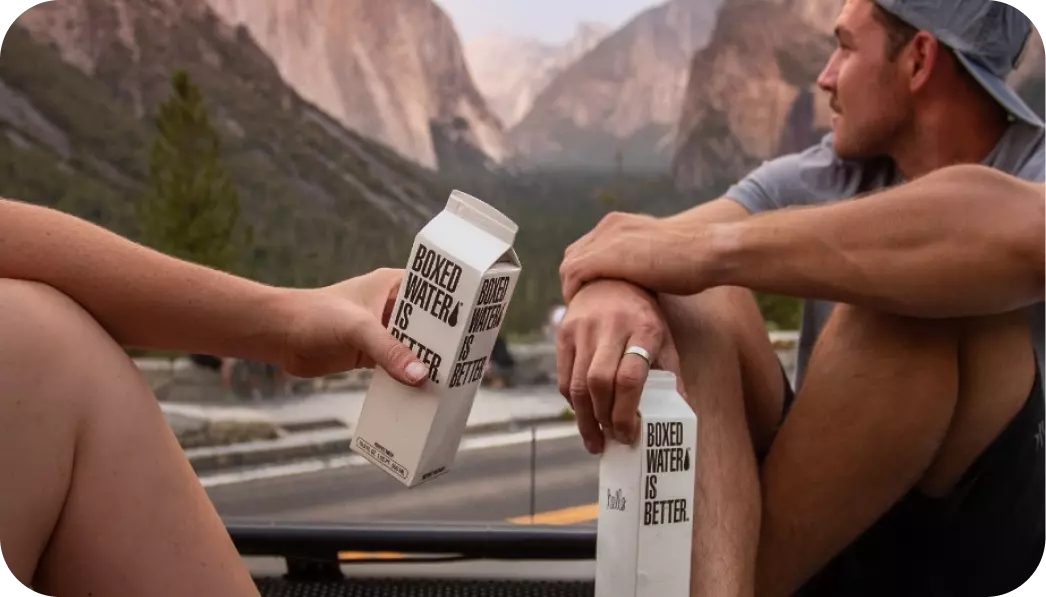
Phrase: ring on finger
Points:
(641, 352)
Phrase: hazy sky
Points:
(548, 20)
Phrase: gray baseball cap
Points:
(987, 37)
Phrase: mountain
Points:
(393, 70)
(620, 99)
(822, 14)
(511, 71)
(80, 81)
(737, 113)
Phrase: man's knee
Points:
(997, 374)
(861, 331)
(723, 327)
(975, 372)
(718, 316)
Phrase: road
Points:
(487, 484)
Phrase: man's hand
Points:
(602, 383)
(668, 256)
(342, 327)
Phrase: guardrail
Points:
(464, 540)
(535, 364)
(311, 551)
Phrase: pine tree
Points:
(193, 210)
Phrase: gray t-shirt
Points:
(817, 176)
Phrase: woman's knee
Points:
(45, 328)
(37, 315)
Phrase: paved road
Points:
(488, 484)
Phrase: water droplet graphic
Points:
(686, 460)
(453, 319)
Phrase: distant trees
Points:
(193, 209)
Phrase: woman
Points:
(97, 497)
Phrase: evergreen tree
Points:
(193, 210)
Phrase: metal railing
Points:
(461, 540)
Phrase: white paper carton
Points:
(459, 279)
(646, 504)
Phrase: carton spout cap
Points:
(480, 214)
(658, 379)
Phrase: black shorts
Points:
(985, 538)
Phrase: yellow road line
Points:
(571, 515)
(370, 555)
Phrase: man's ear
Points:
(920, 58)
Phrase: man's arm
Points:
(718, 211)
(142, 298)
(962, 241)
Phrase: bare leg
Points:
(97, 497)
(888, 404)
(728, 366)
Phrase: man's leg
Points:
(97, 497)
(888, 404)
(728, 367)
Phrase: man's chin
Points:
(846, 150)
(841, 147)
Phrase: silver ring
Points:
(640, 351)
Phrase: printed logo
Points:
(616, 500)
(431, 283)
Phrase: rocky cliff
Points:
(751, 92)
(80, 81)
(622, 99)
(393, 70)
(819, 13)
(511, 71)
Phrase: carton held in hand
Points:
(646, 505)
(459, 279)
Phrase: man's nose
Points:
(827, 79)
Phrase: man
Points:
(910, 460)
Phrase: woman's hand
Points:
(342, 327)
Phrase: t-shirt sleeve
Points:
(813, 176)
(1034, 170)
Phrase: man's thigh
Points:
(973, 525)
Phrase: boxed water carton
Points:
(458, 282)
(646, 500)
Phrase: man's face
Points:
(869, 96)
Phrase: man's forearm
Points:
(142, 298)
(962, 241)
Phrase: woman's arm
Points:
(142, 297)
